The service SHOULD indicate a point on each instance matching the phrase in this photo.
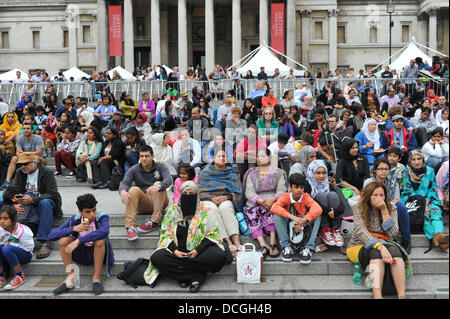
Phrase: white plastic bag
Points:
(249, 266)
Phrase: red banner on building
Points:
(115, 31)
(277, 27)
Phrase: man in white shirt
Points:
(281, 151)
(234, 75)
(38, 77)
(224, 113)
(19, 78)
(187, 150)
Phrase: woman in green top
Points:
(128, 105)
(267, 125)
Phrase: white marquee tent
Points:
(76, 73)
(263, 56)
(124, 74)
(408, 52)
(11, 75)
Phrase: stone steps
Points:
(225, 287)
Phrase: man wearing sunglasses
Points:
(35, 195)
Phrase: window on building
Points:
(65, 39)
(405, 33)
(140, 26)
(87, 34)
(5, 40)
(257, 23)
(318, 30)
(373, 35)
(36, 39)
(341, 34)
(319, 67)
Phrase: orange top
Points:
(266, 101)
(281, 207)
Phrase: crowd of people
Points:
(295, 165)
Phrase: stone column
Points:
(236, 25)
(291, 30)
(73, 59)
(164, 29)
(128, 35)
(263, 22)
(332, 42)
(306, 32)
(422, 28)
(432, 29)
(155, 32)
(102, 37)
(182, 37)
(209, 36)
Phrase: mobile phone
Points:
(185, 256)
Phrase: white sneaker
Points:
(287, 253)
(305, 256)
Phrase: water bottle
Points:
(357, 274)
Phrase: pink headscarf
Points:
(308, 104)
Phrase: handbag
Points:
(116, 178)
(81, 173)
(416, 211)
(133, 273)
(249, 265)
(243, 227)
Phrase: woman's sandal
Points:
(272, 247)
(264, 251)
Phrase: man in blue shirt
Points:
(259, 91)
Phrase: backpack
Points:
(116, 178)
(416, 211)
(133, 272)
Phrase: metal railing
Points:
(12, 93)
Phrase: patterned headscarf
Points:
(416, 174)
(303, 155)
(317, 187)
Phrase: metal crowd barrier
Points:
(12, 93)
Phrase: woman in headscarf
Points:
(307, 105)
(190, 244)
(305, 156)
(330, 199)
(370, 140)
(431, 95)
(352, 169)
(419, 179)
(220, 189)
(263, 185)
(11, 126)
(143, 127)
(22, 103)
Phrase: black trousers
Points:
(188, 270)
(105, 168)
(422, 136)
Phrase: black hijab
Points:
(346, 146)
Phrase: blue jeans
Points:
(281, 224)
(433, 162)
(14, 256)
(220, 125)
(131, 158)
(46, 208)
(403, 220)
(291, 130)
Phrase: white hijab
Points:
(372, 137)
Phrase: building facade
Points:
(55, 35)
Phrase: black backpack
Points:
(133, 273)
(116, 178)
(416, 211)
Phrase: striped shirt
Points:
(361, 233)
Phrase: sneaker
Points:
(132, 234)
(287, 253)
(57, 173)
(292, 139)
(338, 238)
(147, 227)
(2, 281)
(327, 237)
(305, 256)
(71, 174)
(16, 282)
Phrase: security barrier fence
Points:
(13, 92)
